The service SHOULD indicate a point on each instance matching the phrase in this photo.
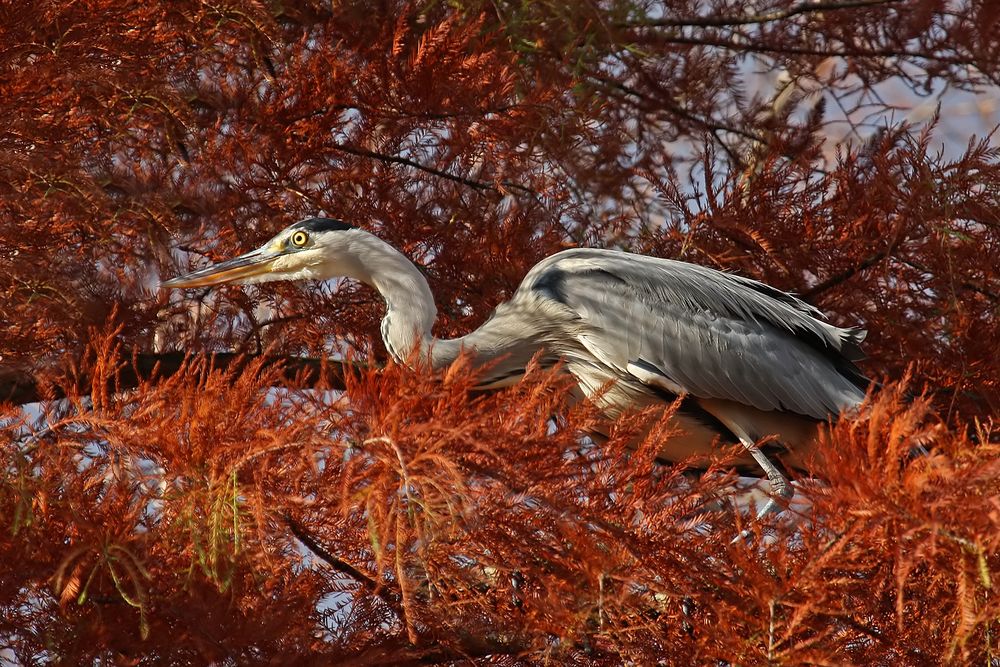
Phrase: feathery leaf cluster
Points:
(356, 511)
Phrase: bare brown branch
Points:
(766, 17)
(19, 386)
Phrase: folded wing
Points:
(692, 330)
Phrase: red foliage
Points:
(206, 516)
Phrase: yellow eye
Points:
(299, 239)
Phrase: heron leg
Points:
(780, 486)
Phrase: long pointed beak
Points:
(233, 270)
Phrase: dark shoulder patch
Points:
(553, 281)
(323, 225)
(551, 284)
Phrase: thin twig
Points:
(972, 287)
(479, 186)
(847, 274)
(317, 549)
(749, 19)
(781, 49)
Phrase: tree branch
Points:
(318, 550)
(672, 107)
(965, 284)
(479, 186)
(846, 52)
(767, 17)
(20, 386)
(847, 274)
(405, 653)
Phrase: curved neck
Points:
(410, 309)
(506, 342)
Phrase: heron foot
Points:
(781, 488)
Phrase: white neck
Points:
(410, 310)
(506, 342)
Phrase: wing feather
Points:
(690, 329)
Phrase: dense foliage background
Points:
(193, 515)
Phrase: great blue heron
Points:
(748, 361)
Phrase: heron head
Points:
(316, 248)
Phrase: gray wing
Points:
(693, 330)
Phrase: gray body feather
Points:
(657, 325)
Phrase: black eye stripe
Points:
(323, 225)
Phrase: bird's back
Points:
(750, 360)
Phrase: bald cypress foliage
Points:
(240, 476)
